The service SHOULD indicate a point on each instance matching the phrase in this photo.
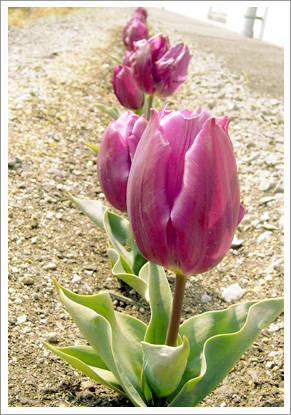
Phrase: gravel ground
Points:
(53, 88)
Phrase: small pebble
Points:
(266, 200)
(236, 243)
(275, 390)
(263, 236)
(269, 227)
(53, 338)
(205, 298)
(273, 327)
(76, 278)
(265, 217)
(232, 293)
(26, 280)
(21, 319)
(255, 223)
(50, 265)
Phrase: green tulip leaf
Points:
(123, 252)
(217, 341)
(91, 208)
(121, 239)
(85, 359)
(117, 340)
(164, 366)
(160, 299)
(94, 147)
(131, 327)
(118, 231)
(134, 281)
(113, 112)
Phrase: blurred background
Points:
(265, 23)
(269, 22)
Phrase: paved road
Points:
(262, 62)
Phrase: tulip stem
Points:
(148, 105)
(174, 323)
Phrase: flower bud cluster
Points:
(149, 65)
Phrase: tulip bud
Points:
(133, 31)
(158, 68)
(140, 13)
(115, 156)
(125, 87)
(183, 197)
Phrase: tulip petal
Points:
(148, 206)
(133, 31)
(241, 214)
(171, 70)
(125, 87)
(159, 45)
(210, 188)
(180, 132)
(143, 67)
(113, 164)
(224, 123)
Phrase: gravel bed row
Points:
(58, 70)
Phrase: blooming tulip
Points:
(133, 31)
(183, 196)
(171, 70)
(115, 155)
(158, 68)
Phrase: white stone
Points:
(236, 243)
(263, 236)
(49, 215)
(21, 319)
(205, 298)
(50, 265)
(76, 278)
(255, 223)
(273, 327)
(232, 293)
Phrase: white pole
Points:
(249, 21)
(264, 23)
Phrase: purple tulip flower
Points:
(115, 156)
(171, 70)
(183, 197)
(133, 31)
(125, 87)
(140, 13)
(158, 68)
